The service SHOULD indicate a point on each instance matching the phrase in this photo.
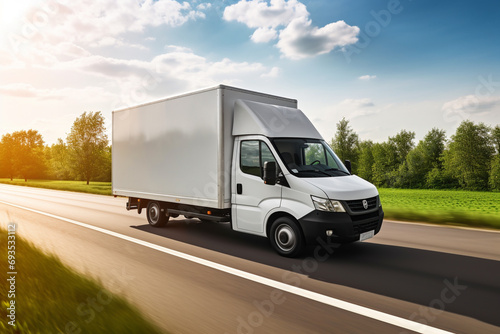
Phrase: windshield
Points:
(309, 157)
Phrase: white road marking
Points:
(337, 303)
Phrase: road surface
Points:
(193, 277)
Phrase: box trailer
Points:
(248, 158)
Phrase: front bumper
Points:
(345, 227)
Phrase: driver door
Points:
(252, 198)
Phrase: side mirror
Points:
(347, 165)
(270, 173)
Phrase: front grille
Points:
(366, 216)
(365, 227)
(356, 206)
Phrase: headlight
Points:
(324, 204)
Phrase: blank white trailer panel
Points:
(179, 149)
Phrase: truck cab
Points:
(288, 184)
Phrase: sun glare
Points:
(12, 13)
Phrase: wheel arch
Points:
(278, 214)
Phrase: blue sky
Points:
(386, 65)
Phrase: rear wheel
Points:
(157, 216)
(286, 237)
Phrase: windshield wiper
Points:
(337, 170)
(314, 171)
(319, 171)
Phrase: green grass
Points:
(100, 188)
(51, 298)
(457, 207)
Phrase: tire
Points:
(286, 237)
(157, 216)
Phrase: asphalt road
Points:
(446, 278)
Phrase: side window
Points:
(253, 155)
(249, 158)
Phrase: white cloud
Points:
(107, 67)
(93, 24)
(471, 104)
(7, 60)
(116, 42)
(367, 77)
(178, 48)
(204, 6)
(472, 107)
(179, 69)
(258, 14)
(357, 103)
(299, 38)
(180, 62)
(24, 90)
(90, 20)
(273, 73)
(264, 35)
(353, 108)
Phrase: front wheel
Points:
(286, 237)
(157, 216)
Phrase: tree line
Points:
(468, 160)
(85, 155)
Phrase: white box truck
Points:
(232, 155)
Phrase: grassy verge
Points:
(457, 207)
(50, 298)
(100, 188)
(467, 208)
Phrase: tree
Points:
(494, 179)
(365, 160)
(496, 138)
(87, 144)
(28, 159)
(417, 167)
(389, 159)
(346, 142)
(469, 157)
(7, 154)
(403, 143)
(423, 158)
(59, 162)
(433, 147)
(105, 175)
(440, 179)
(383, 156)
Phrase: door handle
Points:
(239, 188)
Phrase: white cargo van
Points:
(251, 159)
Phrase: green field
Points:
(458, 207)
(100, 188)
(51, 298)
